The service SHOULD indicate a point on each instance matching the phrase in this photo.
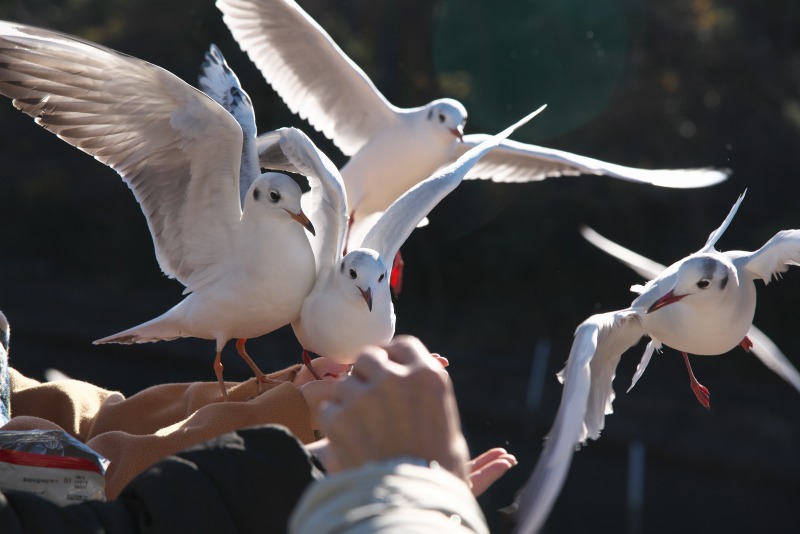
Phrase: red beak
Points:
(458, 133)
(367, 296)
(667, 299)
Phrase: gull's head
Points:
(363, 274)
(278, 195)
(448, 115)
(699, 279)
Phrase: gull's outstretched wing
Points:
(586, 399)
(775, 257)
(644, 267)
(177, 149)
(716, 234)
(218, 81)
(513, 161)
(771, 356)
(405, 213)
(326, 202)
(308, 70)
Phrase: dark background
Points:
(666, 83)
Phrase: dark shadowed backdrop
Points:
(502, 268)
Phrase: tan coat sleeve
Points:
(136, 432)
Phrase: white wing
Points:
(598, 345)
(175, 148)
(646, 268)
(308, 70)
(405, 213)
(513, 161)
(775, 257)
(771, 356)
(326, 202)
(220, 83)
(716, 234)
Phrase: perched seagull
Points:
(703, 304)
(350, 305)
(5, 386)
(391, 148)
(246, 268)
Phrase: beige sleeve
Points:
(134, 433)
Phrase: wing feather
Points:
(587, 396)
(176, 149)
(308, 70)
(513, 161)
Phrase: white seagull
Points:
(762, 346)
(350, 305)
(320, 83)
(703, 304)
(246, 269)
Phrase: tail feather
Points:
(149, 332)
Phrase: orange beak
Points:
(303, 220)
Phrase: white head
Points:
(362, 274)
(448, 114)
(276, 195)
(702, 279)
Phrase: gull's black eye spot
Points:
(381, 277)
(274, 196)
(256, 194)
(353, 274)
(430, 114)
(704, 283)
(441, 118)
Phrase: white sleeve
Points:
(389, 496)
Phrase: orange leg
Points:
(307, 362)
(218, 371)
(253, 367)
(700, 391)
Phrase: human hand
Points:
(315, 391)
(397, 401)
(487, 468)
(482, 471)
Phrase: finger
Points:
(441, 359)
(488, 456)
(370, 364)
(408, 350)
(325, 367)
(483, 478)
(349, 388)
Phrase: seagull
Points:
(391, 148)
(350, 305)
(703, 304)
(246, 269)
(762, 346)
(5, 386)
